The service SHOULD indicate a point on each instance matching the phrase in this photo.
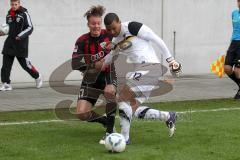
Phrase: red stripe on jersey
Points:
(93, 49)
(86, 54)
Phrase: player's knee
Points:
(228, 69)
(109, 92)
(237, 72)
(141, 112)
(238, 76)
(82, 112)
(134, 104)
(125, 110)
(109, 95)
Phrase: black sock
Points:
(98, 118)
(111, 109)
(235, 79)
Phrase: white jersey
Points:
(141, 50)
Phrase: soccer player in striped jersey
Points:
(96, 81)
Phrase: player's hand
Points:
(175, 67)
(99, 65)
(107, 45)
(18, 38)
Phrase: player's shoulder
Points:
(125, 24)
(236, 11)
(132, 27)
(83, 38)
(23, 11)
(124, 27)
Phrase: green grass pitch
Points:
(213, 133)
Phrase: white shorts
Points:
(144, 80)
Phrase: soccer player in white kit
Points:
(133, 40)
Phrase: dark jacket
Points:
(19, 25)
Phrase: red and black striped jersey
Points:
(88, 50)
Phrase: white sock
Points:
(144, 112)
(125, 112)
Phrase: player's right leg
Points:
(125, 111)
(86, 100)
(230, 62)
(84, 112)
(5, 72)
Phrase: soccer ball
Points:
(4, 28)
(115, 143)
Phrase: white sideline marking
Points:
(210, 110)
(28, 122)
(57, 120)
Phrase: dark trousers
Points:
(7, 67)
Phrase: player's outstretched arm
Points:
(144, 32)
(147, 34)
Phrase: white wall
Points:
(58, 23)
(203, 29)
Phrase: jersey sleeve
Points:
(78, 62)
(144, 32)
(29, 27)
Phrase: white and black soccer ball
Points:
(4, 28)
(115, 143)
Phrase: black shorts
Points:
(233, 53)
(90, 91)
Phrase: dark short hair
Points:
(110, 17)
(97, 11)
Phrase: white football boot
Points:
(39, 81)
(102, 141)
(6, 87)
(171, 123)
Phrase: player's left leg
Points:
(111, 108)
(28, 67)
(135, 93)
(5, 72)
(143, 112)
